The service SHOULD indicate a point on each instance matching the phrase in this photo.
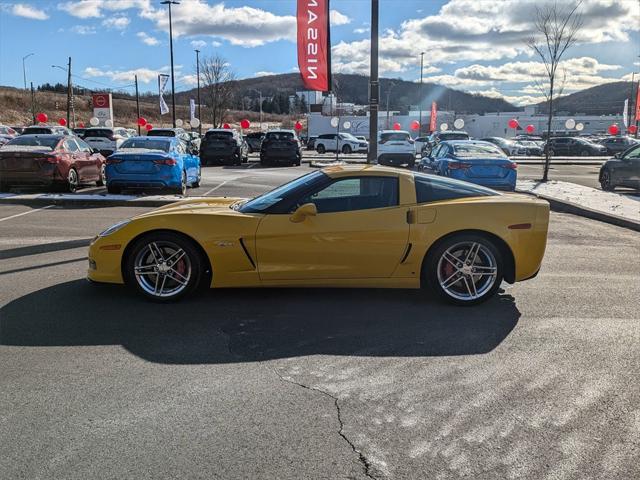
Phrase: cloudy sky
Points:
(472, 45)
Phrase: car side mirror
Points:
(304, 211)
(95, 150)
(618, 155)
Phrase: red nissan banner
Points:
(434, 115)
(638, 104)
(314, 45)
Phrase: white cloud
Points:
(94, 8)
(83, 30)
(244, 26)
(264, 74)
(216, 44)
(148, 39)
(362, 30)
(145, 75)
(336, 18)
(198, 44)
(28, 11)
(518, 100)
(119, 23)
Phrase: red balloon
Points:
(226, 126)
(80, 124)
(633, 129)
(530, 129)
(42, 117)
(148, 126)
(513, 123)
(613, 129)
(245, 123)
(415, 125)
(397, 126)
(298, 126)
(62, 122)
(142, 121)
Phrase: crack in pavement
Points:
(363, 459)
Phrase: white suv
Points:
(344, 142)
(396, 147)
(107, 140)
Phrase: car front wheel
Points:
(464, 269)
(605, 181)
(320, 149)
(164, 266)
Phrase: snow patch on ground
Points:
(624, 205)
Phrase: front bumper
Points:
(105, 259)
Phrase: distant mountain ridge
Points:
(606, 99)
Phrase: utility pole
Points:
(24, 69)
(259, 92)
(69, 94)
(173, 77)
(374, 88)
(630, 104)
(389, 88)
(420, 92)
(137, 102)
(33, 104)
(198, 79)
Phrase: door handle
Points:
(411, 217)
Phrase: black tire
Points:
(182, 189)
(411, 164)
(114, 190)
(196, 184)
(320, 149)
(605, 181)
(193, 267)
(346, 149)
(551, 152)
(73, 180)
(436, 264)
(103, 177)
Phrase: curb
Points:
(575, 209)
(90, 203)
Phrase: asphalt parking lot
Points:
(540, 382)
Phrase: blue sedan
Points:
(152, 163)
(473, 161)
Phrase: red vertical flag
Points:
(638, 103)
(314, 45)
(434, 115)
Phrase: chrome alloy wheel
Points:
(467, 271)
(162, 269)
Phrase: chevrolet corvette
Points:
(351, 226)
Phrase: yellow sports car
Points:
(356, 226)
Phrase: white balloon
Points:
(347, 125)
(579, 127)
(94, 121)
(179, 122)
(108, 123)
(459, 123)
(444, 127)
(195, 123)
(570, 123)
(335, 121)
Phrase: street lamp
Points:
(389, 88)
(198, 79)
(24, 70)
(259, 93)
(173, 77)
(420, 92)
(70, 105)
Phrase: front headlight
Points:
(114, 228)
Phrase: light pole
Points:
(389, 88)
(173, 77)
(24, 70)
(69, 91)
(374, 87)
(259, 93)
(420, 92)
(198, 79)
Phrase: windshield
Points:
(38, 130)
(454, 136)
(223, 135)
(348, 136)
(279, 136)
(471, 150)
(386, 137)
(269, 199)
(98, 132)
(33, 141)
(161, 133)
(146, 144)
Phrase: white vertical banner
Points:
(162, 84)
(625, 113)
(192, 108)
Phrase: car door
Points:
(78, 159)
(93, 161)
(627, 171)
(360, 231)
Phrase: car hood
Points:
(199, 205)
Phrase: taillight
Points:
(411, 141)
(510, 165)
(459, 166)
(113, 161)
(52, 159)
(166, 161)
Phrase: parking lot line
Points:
(24, 213)
(217, 187)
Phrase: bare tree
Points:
(556, 30)
(219, 87)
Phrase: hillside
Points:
(607, 99)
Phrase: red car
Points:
(53, 161)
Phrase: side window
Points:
(633, 154)
(432, 189)
(359, 193)
(180, 147)
(83, 145)
(70, 145)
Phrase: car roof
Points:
(282, 130)
(466, 142)
(393, 131)
(45, 135)
(459, 132)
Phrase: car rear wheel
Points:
(320, 149)
(346, 149)
(164, 266)
(464, 269)
(182, 189)
(103, 177)
(605, 181)
(198, 179)
(72, 180)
